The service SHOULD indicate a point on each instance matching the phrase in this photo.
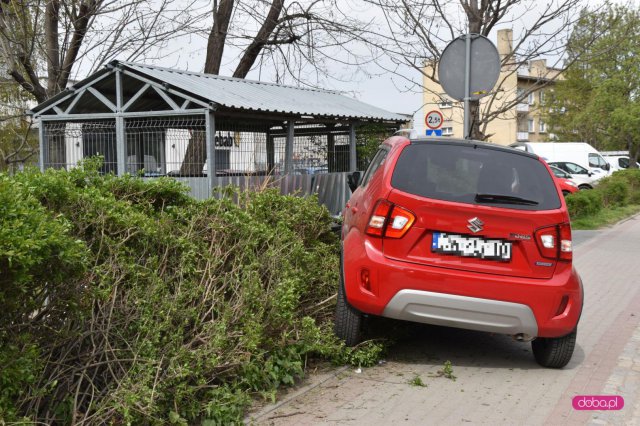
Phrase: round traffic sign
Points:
(484, 67)
(433, 120)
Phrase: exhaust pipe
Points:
(522, 337)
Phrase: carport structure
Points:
(208, 131)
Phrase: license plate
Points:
(466, 246)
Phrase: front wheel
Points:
(584, 186)
(348, 321)
(554, 352)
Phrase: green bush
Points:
(632, 179)
(584, 203)
(127, 301)
(615, 191)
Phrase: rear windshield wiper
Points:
(504, 199)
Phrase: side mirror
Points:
(590, 174)
(607, 167)
(353, 179)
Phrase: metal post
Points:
(467, 77)
(288, 149)
(41, 143)
(121, 136)
(331, 149)
(210, 140)
(353, 164)
(271, 158)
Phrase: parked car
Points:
(310, 170)
(583, 177)
(618, 162)
(567, 186)
(460, 234)
(563, 179)
(576, 152)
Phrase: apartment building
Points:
(522, 119)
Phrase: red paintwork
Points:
(408, 263)
(564, 186)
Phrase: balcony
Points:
(522, 136)
(522, 107)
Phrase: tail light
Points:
(554, 242)
(389, 220)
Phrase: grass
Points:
(605, 217)
(417, 381)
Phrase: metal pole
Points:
(288, 149)
(467, 76)
(352, 148)
(271, 158)
(41, 143)
(331, 149)
(210, 140)
(121, 135)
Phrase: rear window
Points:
(461, 172)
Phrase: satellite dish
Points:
(484, 67)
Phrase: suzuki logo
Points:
(475, 225)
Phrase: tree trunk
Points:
(196, 155)
(253, 51)
(52, 20)
(218, 37)
(634, 153)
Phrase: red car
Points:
(462, 234)
(563, 179)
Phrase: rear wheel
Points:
(584, 186)
(348, 320)
(554, 352)
(565, 192)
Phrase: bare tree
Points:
(298, 40)
(415, 32)
(43, 43)
(305, 42)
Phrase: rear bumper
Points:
(462, 312)
(463, 299)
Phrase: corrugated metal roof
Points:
(251, 95)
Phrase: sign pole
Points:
(467, 78)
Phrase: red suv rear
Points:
(461, 234)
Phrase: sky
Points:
(372, 85)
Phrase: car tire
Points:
(565, 192)
(348, 321)
(554, 352)
(584, 186)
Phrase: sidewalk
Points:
(498, 382)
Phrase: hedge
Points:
(128, 302)
(618, 190)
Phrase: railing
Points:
(522, 107)
(522, 136)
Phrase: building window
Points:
(531, 99)
(520, 94)
(541, 96)
(542, 127)
(447, 131)
(530, 127)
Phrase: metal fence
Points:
(166, 146)
(247, 153)
(66, 143)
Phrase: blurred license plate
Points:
(462, 245)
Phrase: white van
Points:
(619, 160)
(580, 153)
